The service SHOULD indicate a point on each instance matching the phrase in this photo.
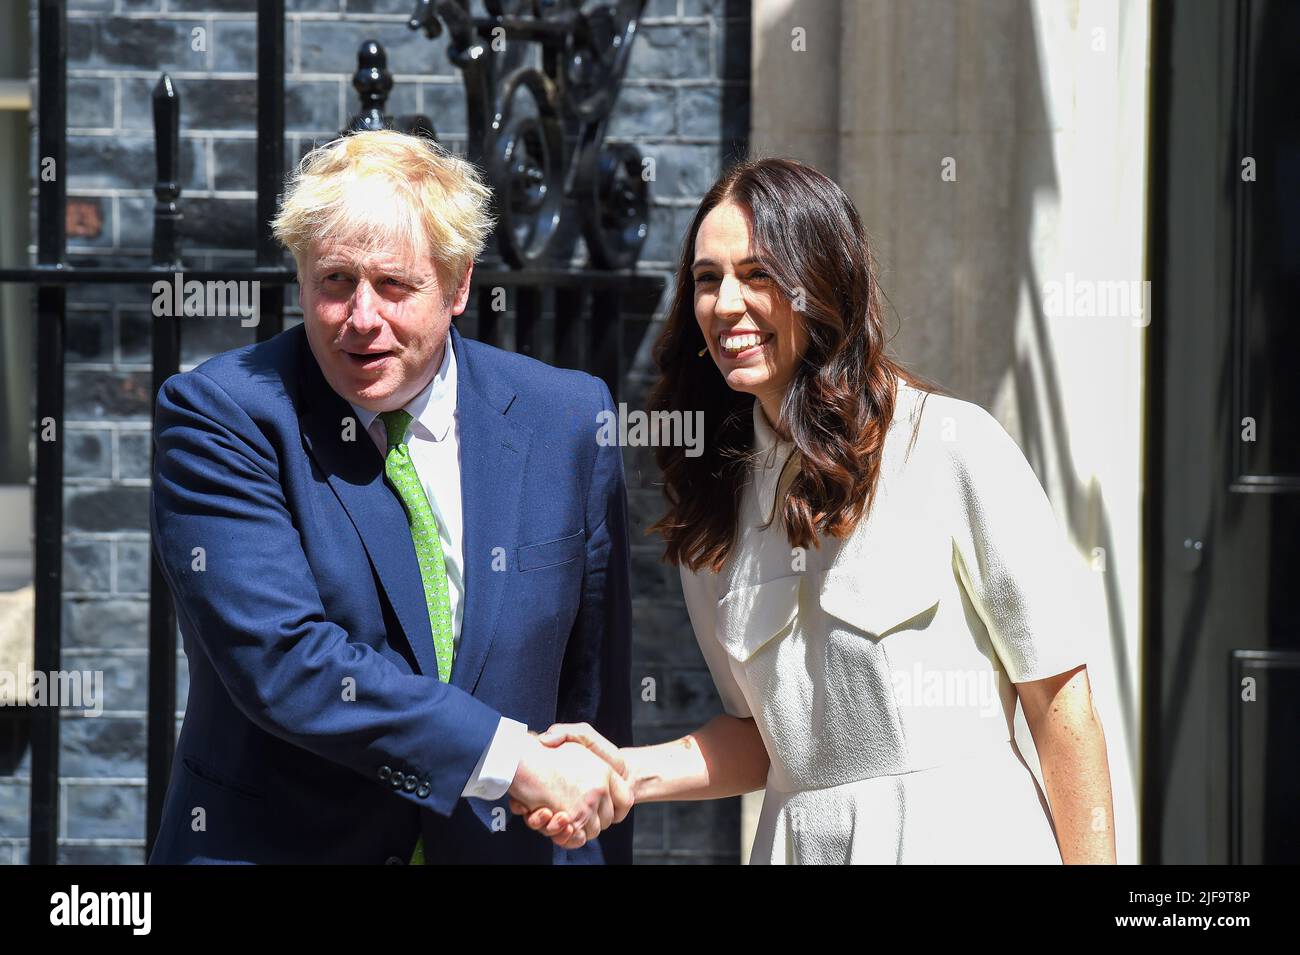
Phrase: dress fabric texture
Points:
(879, 669)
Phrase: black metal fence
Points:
(538, 134)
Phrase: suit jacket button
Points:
(385, 772)
(410, 784)
(397, 780)
(423, 791)
(393, 860)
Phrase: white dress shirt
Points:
(433, 437)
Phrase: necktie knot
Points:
(395, 423)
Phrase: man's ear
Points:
(462, 291)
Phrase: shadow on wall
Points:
(1040, 408)
(910, 84)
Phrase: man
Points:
(392, 551)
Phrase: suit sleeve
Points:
(1016, 566)
(251, 603)
(595, 681)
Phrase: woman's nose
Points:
(730, 300)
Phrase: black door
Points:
(1221, 769)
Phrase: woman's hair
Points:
(386, 189)
(840, 402)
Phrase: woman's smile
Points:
(740, 345)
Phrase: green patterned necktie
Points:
(428, 548)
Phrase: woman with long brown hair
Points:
(872, 570)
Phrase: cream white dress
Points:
(879, 669)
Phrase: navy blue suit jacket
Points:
(316, 728)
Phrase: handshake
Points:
(571, 784)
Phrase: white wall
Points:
(1042, 108)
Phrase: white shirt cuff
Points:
(496, 768)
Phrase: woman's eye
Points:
(760, 275)
(705, 278)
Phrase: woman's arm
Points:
(724, 757)
(1072, 753)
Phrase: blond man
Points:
(393, 552)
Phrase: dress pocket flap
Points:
(749, 617)
(878, 595)
(552, 552)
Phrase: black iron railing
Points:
(547, 164)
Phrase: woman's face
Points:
(753, 333)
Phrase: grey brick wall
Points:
(685, 102)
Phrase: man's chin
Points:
(370, 395)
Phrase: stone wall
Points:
(684, 103)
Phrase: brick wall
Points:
(684, 102)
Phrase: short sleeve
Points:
(1015, 562)
(700, 592)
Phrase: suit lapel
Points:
(493, 454)
(355, 472)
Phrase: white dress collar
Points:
(772, 454)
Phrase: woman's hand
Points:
(557, 826)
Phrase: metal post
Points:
(607, 339)
(571, 327)
(528, 313)
(50, 302)
(489, 325)
(270, 156)
(166, 362)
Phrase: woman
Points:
(873, 572)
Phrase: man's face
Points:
(376, 320)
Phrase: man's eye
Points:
(336, 277)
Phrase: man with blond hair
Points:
(393, 551)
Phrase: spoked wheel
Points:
(614, 200)
(526, 167)
(595, 55)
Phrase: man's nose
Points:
(365, 308)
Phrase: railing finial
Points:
(373, 83)
(167, 189)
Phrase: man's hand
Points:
(569, 782)
(553, 820)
